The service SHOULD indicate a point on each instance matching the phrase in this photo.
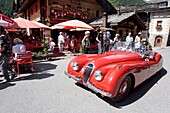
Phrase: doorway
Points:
(158, 41)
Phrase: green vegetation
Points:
(6, 7)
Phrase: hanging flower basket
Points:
(158, 28)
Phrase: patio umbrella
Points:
(79, 29)
(41, 25)
(24, 23)
(3, 23)
(12, 30)
(7, 22)
(72, 24)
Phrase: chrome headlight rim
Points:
(75, 66)
(98, 75)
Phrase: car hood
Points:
(114, 57)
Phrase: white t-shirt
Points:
(19, 48)
(129, 39)
(51, 45)
(137, 42)
(60, 39)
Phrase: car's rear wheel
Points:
(123, 90)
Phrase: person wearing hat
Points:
(86, 42)
(18, 47)
(61, 42)
(5, 53)
(114, 42)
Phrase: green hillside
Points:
(154, 1)
(126, 2)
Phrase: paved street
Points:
(50, 91)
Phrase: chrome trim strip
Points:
(98, 90)
(73, 77)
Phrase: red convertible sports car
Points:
(114, 74)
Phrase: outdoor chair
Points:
(24, 59)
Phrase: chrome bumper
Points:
(73, 77)
(98, 90)
(90, 86)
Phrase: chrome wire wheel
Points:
(123, 90)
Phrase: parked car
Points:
(115, 73)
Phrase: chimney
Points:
(105, 17)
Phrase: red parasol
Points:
(24, 23)
(12, 30)
(72, 24)
(7, 22)
(41, 25)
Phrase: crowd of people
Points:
(68, 42)
(104, 40)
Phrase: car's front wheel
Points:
(123, 90)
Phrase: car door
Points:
(153, 65)
(141, 72)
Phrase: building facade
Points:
(55, 11)
(159, 29)
(122, 23)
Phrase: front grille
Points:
(87, 72)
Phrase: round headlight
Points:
(75, 66)
(98, 75)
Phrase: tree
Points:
(6, 7)
(115, 3)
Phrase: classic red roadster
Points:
(114, 74)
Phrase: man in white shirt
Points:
(18, 48)
(60, 42)
(129, 40)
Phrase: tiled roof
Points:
(114, 19)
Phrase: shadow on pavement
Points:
(34, 77)
(6, 85)
(40, 67)
(139, 92)
(136, 94)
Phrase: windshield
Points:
(130, 47)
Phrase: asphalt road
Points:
(50, 91)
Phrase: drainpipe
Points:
(42, 11)
(47, 9)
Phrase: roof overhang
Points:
(107, 6)
(26, 5)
